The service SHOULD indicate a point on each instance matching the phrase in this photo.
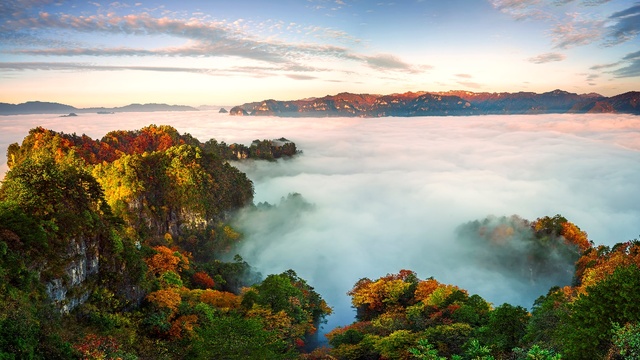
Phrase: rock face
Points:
(223, 111)
(453, 103)
(238, 111)
(71, 290)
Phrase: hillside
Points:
(451, 103)
(39, 107)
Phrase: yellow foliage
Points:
(280, 322)
(439, 295)
(231, 234)
(220, 299)
(378, 294)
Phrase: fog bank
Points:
(380, 195)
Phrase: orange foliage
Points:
(167, 260)
(425, 289)
(382, 293)
(220, 299)
(183, 325)
(165, 299)
(624, 254)
(501, 234)
(575, 236)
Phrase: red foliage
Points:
(203, 280)
(96, 347)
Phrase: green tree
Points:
(235, 337)
(626, 341)
(506, 326)
(588, 331)
(425, 351)
(547, 315)
(476, 351)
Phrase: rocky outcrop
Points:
(71, 290)
(238, 111)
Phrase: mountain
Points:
(38, 107)
(35, 107)
(146, 108)
(455, 103)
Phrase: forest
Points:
(123, 248)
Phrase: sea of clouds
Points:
(385, 194)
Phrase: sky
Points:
(102, 53)
(387, 194)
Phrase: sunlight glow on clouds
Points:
(373, 46)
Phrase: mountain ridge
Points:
(418, 103)
(452, 103)
(43, 107)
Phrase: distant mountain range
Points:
(444, 103)
(454, 103)
(38, 107)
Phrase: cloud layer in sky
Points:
(388, 194)
(282, 49)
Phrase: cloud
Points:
(464, 76)
(386, 62)
(470, 84)
(207, 38)
(301, 77)
(378, 207)
(632, 67)
(591, 77)
(574, 29)
(521, 9)
(577, 32)
(627, 25)
(20, 66)
(604, 66)
(255, 71)
(203, 39)
(546, 58)
(595, 2)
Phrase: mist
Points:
(380, 195)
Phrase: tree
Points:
(588, 331)
(547, 315)
(235, 337)
(63, 195)
(626, 341)
(425, 351)
(505, 329)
